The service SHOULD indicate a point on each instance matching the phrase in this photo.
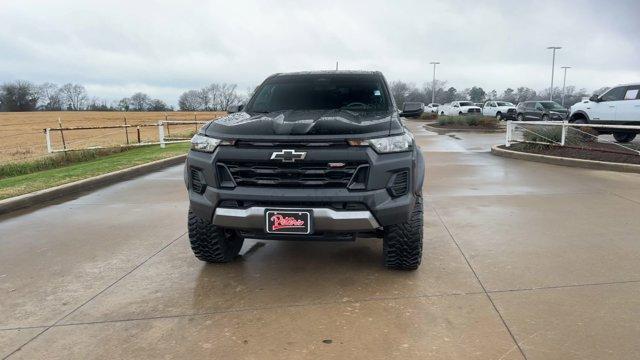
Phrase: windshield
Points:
(551, 105)
(502, 103)
(357, 92)
(466, 103)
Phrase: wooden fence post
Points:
(126, 129)
(64, 144)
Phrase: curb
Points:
(447, 130)
(40, 197)
(564, 161)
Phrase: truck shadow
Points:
(276, 273)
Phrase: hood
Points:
(317, 124)
(559, 111)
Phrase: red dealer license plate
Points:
(288, 221)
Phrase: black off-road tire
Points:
(211, 243)
(624, 137)
(402, 243)
(498, 116)
(520, 117)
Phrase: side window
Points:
(632, 93)
(529, 105)
(615, 94)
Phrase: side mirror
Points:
(235, 108)
(594, 98)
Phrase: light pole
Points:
(433, 84)
(553, 64)
(564, 82)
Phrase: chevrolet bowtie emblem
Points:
(288, 155)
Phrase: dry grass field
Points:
(22, 137)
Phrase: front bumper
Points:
(324, 220)
(335, 210)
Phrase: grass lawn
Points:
(23, 184)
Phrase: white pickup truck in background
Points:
(499, 109)
(459, 108)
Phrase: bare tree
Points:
(214, 95)
(190, 101)
(524, 93)
(50, 96)
(124, 104)
(74, 96)
(205, 99)
(139, 101)
(400, 90)
(228, 96)
(157, 105)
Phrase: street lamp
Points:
(433, 84)
(564, 82)
(553, 64)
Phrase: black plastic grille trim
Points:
(399, 184)
(305, 174)
(198, 184)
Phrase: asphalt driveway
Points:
(521, 260)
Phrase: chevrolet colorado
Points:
(311, 156)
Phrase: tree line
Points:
(403, 92)
(26, 96)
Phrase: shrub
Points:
(428, 116)
(550, 134)
(469, 120)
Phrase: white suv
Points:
(432, 108)
(620, 105)
(499, 109)
(459, 108)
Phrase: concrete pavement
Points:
(522, 260)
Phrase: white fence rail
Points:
(164, 134)
(515, 128)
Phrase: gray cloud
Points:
(164, 48)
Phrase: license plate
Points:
(288, 221)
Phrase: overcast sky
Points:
(162, 48)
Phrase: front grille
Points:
(474, 111)
(291, 174)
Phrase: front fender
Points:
(579, 113)
(419, 170)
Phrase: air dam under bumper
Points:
(323, 219)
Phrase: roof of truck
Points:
(329, 72)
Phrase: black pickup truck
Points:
(311, 156)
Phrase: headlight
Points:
(203, 143)
(391, 144)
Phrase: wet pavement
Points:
(521, 260)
